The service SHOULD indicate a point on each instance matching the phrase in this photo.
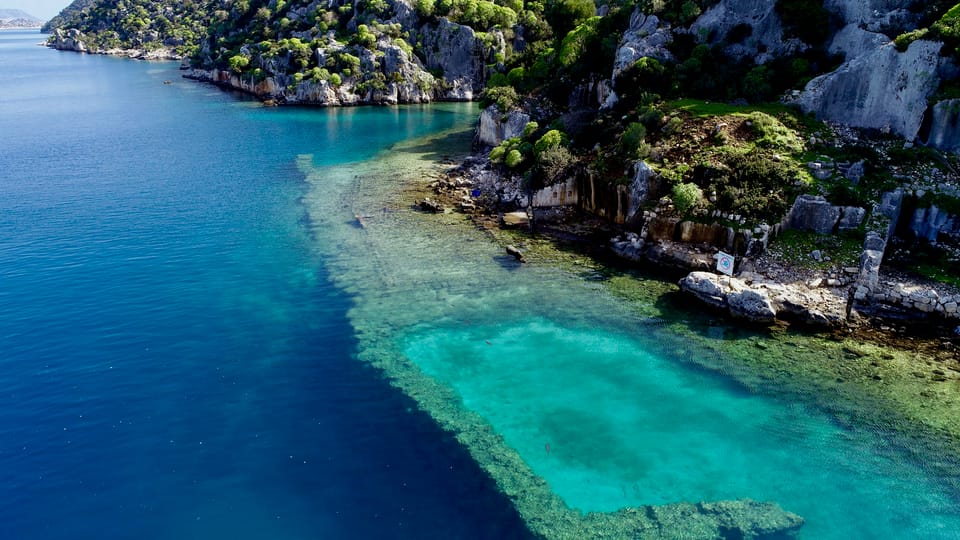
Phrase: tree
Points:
(565, 15)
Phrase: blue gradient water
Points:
(173, 361)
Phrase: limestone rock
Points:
(641, 185)
(853, 41)
(496, 126)
(883, 89)
(646, 36)
(874, 15)
(454, 51)
(751, 305)
(705, 286)
(766, 40)
(813, 213)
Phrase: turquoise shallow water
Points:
(611, 420)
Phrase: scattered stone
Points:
(515, 252)
(429, 205)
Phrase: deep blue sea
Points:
(174, 362)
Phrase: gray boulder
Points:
(751, 305)
(813, 213)
(705, 286)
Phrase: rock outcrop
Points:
(882, 89)
(766, 40)
(497, 126)
(647, 36)
(758, 300)
(454, 51)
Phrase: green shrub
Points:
(238, 62)
(686, 197)
(554, 163)
(505, 97)
(903, 41)
(771, 133)
(514, 158)
(632, 138)
(565, 15)
(550, 139)
(425, 8)
(530, 129)
(577, 41)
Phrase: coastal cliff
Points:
(694, 126)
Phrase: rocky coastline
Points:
(72, 40)
(766, 289)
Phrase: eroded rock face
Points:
(454, 51)
(853, 41)
(766, 38)
(646, 36)
(883, 89)
(874, 15)
(71, 40)
(496, 127)
(640, 188)
(751, 305)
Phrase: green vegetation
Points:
(686, 197)
(837, 251)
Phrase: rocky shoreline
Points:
(71, 41)
(765, 290)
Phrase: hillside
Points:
(15, 18)
(708, 111)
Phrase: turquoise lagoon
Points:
(190, 306)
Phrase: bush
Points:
(632, 138)
(903, 41)
(238, 63)
(425, 8)
(550, 139)
(530, 129)
(577, 42)
(513, 159)
(771, 133)
(565, 15)
(505, 97)
(554, 163)
(686, 197)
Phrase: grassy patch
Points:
(795, 248)
(704, 109)
(938, 272)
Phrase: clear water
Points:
(174, 362)
(184, 290)
(611, 420)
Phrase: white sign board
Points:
(725, 263)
